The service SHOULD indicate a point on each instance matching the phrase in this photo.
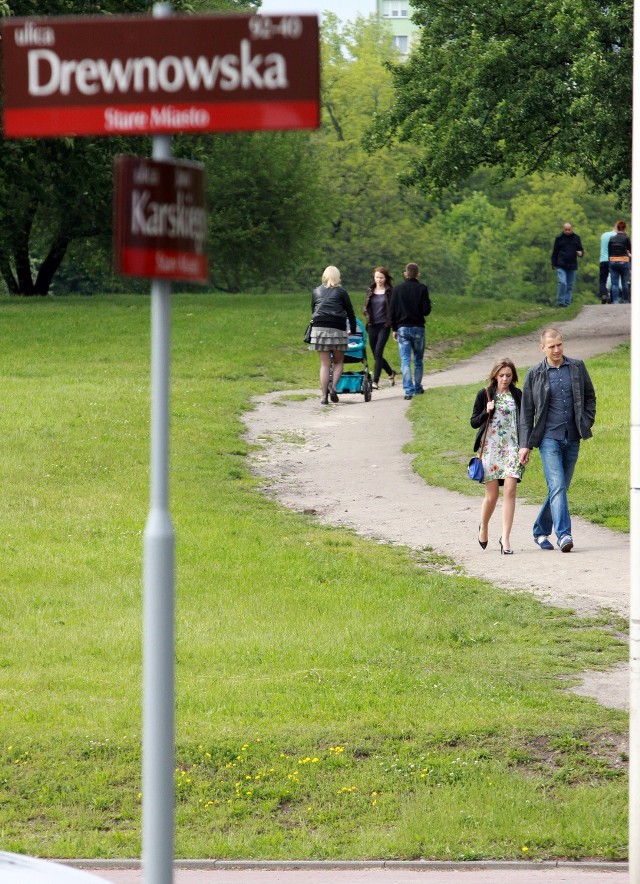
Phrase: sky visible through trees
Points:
(344, 9)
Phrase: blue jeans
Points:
(620, 273)
(559, 458)
(566, 279)
(411, 342)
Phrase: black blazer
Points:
(479, 416)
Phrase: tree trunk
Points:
(7, 274)
(51, 263)
(21, 250)
(21, 283)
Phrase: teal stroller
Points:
(353, 381)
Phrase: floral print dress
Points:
(500, 455)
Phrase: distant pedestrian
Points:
(558, 410)
(498, 404)
(410, 304)
(605, 295)
(620, 264)
(331, 309)
(567, 248)
(377, 311)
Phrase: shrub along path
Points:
(345, 464)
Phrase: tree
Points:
(520, 85)
(371, 218)
(55, 191)
(264, 203)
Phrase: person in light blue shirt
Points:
(605, 296)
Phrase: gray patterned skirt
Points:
(328, 339)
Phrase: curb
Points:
(353, 865)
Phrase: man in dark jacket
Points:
(558, 409)
(409, 305)
(567, 248)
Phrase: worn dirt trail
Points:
(346, 464)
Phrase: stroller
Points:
(355, 381)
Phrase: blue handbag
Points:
(475, 470)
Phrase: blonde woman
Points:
(331, 310)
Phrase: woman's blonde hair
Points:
(331, 276)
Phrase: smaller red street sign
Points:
(160, 223)
(135, 75)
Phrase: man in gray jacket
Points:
(558, 410)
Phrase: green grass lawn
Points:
(335, 697)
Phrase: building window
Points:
(401, 44)
(395, 8)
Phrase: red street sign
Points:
(160, 224)
(134, 75)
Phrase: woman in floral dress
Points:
(499, 403)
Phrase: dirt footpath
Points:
(354, 452)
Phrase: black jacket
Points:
(410, 304)
(331, 307)
(537, 393)
(565, 251)
(387, 296)
(479, 415)
(619, 246)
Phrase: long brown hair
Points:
(388, 281)
(503, 363)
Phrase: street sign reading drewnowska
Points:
(134, 75)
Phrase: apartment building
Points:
(398, 14)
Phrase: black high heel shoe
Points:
(483, 543)
(503, 551)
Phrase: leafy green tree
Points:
(520, 85)
(500, 237)
(263, 199)
(371, 218)
(53, 191)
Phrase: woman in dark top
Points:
(499, 403)
(620, 263)
(377, 313)
(331, 309)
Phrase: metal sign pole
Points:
(158, 732)
(634, 581)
